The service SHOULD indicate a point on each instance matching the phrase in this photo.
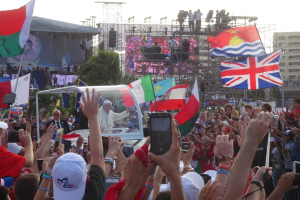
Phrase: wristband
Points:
(223, 167)
(222, 172)
(189, 166)
(49, 170)
(44, 189)
(149, 186)
(47, 176)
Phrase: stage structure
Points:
(148, 52)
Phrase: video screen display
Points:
(152, 55)
(64, 80)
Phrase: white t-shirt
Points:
(198, 16)
(191, 16)
(65, 67)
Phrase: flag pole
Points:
(20, 65)
(154, 94)
(260, 38)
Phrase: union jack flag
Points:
(130, 46)
(252, 73)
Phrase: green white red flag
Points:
(14, 29)
(143, 89)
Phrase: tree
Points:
(45, 101)
(104, 69)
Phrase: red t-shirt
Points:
(292, 115)
(10, 163)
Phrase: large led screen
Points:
(152, 55)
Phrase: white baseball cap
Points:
(69, 177)
(3, 125)
(192, 185)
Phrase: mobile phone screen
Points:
(296, 167)
(108, 183)
(127, 150)
(40, 164)
(67, 146)
(19, 126)
(105, 142)
(58, 138)
(185, 146)
(160, 133)
(13, 137)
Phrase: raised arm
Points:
(25, 139)
(90, 108)
(238, 175)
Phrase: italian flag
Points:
(187, 117)
(143, 89)
(14, 30)
(173, 99)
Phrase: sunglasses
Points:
(56, 114)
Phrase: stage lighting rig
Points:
(166, 31)
(164, 18)
(83, 23)
(147, 18)
(131, 19)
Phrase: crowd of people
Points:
(226, 159)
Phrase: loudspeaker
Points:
(112, 39)
(9, 98)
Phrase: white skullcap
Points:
(107, 102)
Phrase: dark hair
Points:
(165, 195)
(297, 100)
(4, 191)
(268, 107)
(198, 134)
(291, 135)
(248, 106)
(235, 119)
(26, 186)
(228, 105)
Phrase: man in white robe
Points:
(107, 117)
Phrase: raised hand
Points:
(50, 131)
(90, 106)
(257, 128)
(120, 161)
(187, 157)
(242, 130)
(25, 138)
(170, 161)
(223, 147)
(209, 190)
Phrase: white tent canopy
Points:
(106, 91)
(54, 26)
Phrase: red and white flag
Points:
(173, 99)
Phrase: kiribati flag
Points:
(239, 41)
(252, 73)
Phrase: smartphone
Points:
(67, 146)
(108, 183)
(19, 126)
(58, 138)
(13, 137)
(296, 181)
(296, 167)
(160, 133)
(105, 142)
(185, 146)
(40, 164)
(128, 150)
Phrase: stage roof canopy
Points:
(53, 26)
